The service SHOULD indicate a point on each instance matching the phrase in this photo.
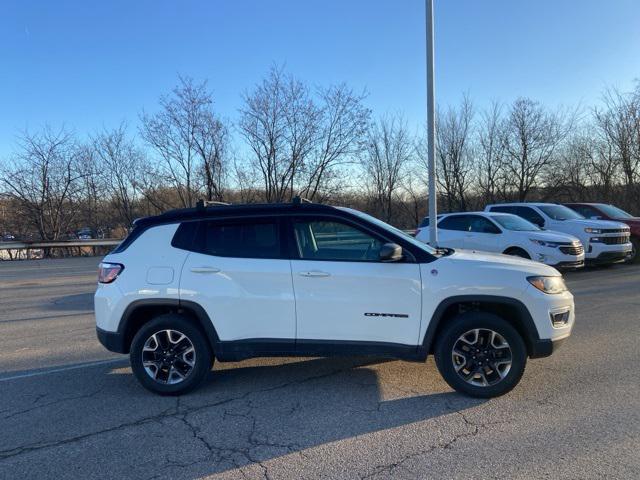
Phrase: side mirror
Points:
(391, 252)
(596, 217)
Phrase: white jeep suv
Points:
(240, 281)
(604, 241)
(508, 234)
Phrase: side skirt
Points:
(269, 347)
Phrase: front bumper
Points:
(113, 341)
(569, 265)
(609, 257)
(599, 253)
(544, 348)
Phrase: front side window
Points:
(530, 215)
(515, 223)
(560, 212)
(584, 210)
(614, 212)
(482, 225)
(334, 240)
(250, 239)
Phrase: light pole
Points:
(431, 129)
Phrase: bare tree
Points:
(453, 153)
(531, 137)
(190, 141)
(120, 164)
(388, 152)
(343, 121)
(279, 123)
(298, 140)
(44, 181)
(491, 154)
(618, 123)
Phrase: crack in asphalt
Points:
(475, 429)
(173, 412)
(55, 402)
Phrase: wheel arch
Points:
(512, 248)
(510, 309)
(142, 311)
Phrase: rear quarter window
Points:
(254, 238)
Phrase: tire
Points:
(188, 355)
(517, 252)
(635, 252)
(503, 378)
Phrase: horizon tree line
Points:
(322, 143)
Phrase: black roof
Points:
(232, 210)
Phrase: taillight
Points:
(108, 272)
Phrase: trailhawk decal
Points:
(394, 315)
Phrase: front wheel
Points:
(634, 257)
(481, 355)
(170, 355)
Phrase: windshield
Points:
(560, 212)
(515, 223)
(395, 230)
(614, 212)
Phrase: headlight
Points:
(545, 244)
(592, 230)
(549, 285)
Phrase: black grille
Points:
(572, 249)
(615, 240)
(614, 230)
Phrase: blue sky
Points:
(90, 64)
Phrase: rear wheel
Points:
(170, 355)
(481, 355)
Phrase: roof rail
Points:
(202, 204)
(297, 200)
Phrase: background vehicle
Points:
(603, 211)
(508, 234)
(235, 282)
(604, 241)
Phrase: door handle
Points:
(205, 269)
(314, 273)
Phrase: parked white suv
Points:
(234, 282)
(604, 241)
(508, 234)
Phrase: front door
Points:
(344, 292)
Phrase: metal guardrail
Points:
(107, 242)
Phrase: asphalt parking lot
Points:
(70, 409)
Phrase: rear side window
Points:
(503, 209)
(253, 239)
(456, 222)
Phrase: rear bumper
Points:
(113, 341)
(544, 348)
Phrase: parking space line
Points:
(62, 369)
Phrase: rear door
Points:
(240, 273)
(483, 234)
(453, 230)
(344, 292)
